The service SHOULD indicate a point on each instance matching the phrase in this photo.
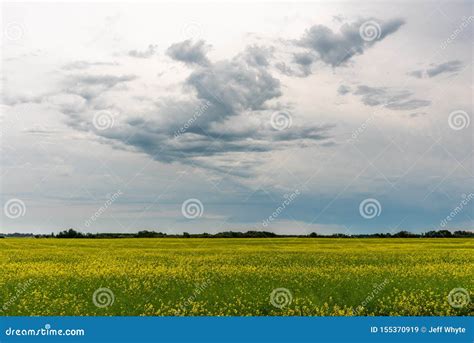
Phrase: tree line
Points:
(71, 233)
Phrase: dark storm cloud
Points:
(189, 52)
(149, 52)
(337, 48)
(382, 96)
(197, 144)
(228, 93)
(227, 115)
(449, 67)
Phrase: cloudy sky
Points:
(329, 117)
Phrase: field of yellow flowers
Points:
(243, 277)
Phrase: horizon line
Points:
(236, 234)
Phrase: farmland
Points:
(281, 276)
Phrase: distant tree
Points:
(404, 234)
(444, 233)
(463, 234)
(430, 234)
(340, 235)
(438, 234)
(71, 233)
(259, 234)
(149, 234)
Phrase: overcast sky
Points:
(329, 117)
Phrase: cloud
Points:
(398, 100)
(449, 67)
(285, 69)
(18, 99)
(258, 55)
(85, 64)
(343, 90)
(149, 52)
(337, 48)
(417, 114)
(68, 103)
(417, 73)
(410, 104)
(189, 53)
(304, 60)
(83, 86)
(89, 86)
(220, 143)
(235, 85)
(226, 112)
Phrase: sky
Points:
(347, 117)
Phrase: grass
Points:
(319, 277)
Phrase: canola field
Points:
(241, 277)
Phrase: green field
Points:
(281, 276)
